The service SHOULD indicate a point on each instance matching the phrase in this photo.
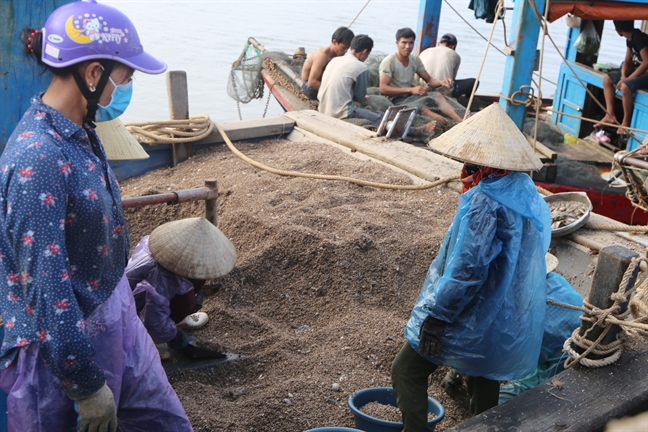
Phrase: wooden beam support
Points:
(421, 162)
(178, 94)
(519, 65)
(587, 400)
(612, 264)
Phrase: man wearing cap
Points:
(442, 62)
(397, 72)
(482, 306)
(167, 272)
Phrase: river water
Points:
(204, 37)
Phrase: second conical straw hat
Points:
(193, 248)
(488, 138)
(118, 142)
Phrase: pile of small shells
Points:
(565, 213)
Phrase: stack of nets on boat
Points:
(245, 84)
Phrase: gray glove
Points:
(97, 412)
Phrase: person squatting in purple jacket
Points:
(167, 272)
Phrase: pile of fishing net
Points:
(245, 84)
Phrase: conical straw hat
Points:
(118, 142)
(489, 138)
(551, 261)
(193, 248)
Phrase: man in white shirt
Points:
(345, 80)
(397, 72)
(443, 62)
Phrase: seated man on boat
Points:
(492, 260)
(315, 64)
(345, 81)
(397, 73)
(443, 62)
(632, 76)
(167, 273)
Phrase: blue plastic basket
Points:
(385, 396)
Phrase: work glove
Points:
(97, 413)
(180, 341)
(195, 348)
(430, 337)
(198, 349)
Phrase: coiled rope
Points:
(200, 126)
(606, 318)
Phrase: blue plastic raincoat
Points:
(559, 325)
(488, 281)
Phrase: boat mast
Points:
(521, 55)
(427, 26)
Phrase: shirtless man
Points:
(316, 63)
(397, 73)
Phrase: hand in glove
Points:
(198, 349)
(194, 348)
(97, 413)
(430, 337)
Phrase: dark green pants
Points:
(410, 374)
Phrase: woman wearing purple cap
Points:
(75, 356)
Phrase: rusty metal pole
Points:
(211, 209)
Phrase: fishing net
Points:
(245, 82)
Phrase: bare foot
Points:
(607, 119)
(429, 127)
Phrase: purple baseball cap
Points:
(86, 30)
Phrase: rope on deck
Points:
(606, 318)
(200, 126)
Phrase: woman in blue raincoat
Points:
(75, 356)
(482, 306)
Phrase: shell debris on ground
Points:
(325, 279)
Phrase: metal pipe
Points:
(187, 195)
(284, 68)
(638, 163)
(211, 211)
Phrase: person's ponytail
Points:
(32, 41)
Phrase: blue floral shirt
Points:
(63, 243)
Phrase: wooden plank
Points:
(178, 95)
(249, 129)
(589, 398)
(418, 161)
(546, 151)
(301, 135)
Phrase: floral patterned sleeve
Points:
(40, 304)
